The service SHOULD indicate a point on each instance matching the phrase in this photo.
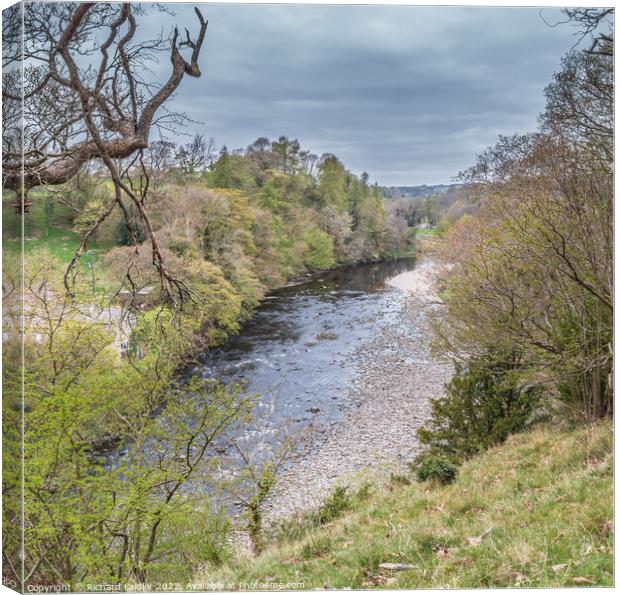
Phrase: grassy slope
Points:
(48, 231)
(545, 496)
(42, 230)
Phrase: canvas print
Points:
(303, 297)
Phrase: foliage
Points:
(261, 217)
(436, 469)
(195, 155)
(331, 189)
(120, 455)
(88, 215)
(320, 252)
(256, 479)
(267, 215)
(534, 266)
(230, 171)
(254, 513)
(431, 207)
(485, 402)
(97, 507)
(535, 511)
(338, 502)
(109, 135)
(212, 309)
(130, 229)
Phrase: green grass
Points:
(61, 243)
(433, 232)
(534, 511)
(408, 252)
(47, 228)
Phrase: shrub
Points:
(435, 468)
(124, 235)
(341, 500)
(180, 246)
(335, 504)
(486, 401)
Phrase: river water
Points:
(297, 352)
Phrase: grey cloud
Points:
(409, 94)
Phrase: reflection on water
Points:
(296, 352)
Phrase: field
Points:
(47, 227)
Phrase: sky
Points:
(409, 94)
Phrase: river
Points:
(342, 362)
(297, 352)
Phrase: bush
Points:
(435, 468)
(486, 401)
(180, 247)
(124, 235)
(340, 501)
(335, 504)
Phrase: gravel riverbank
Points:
(388, 402)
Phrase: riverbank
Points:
(423, 282)
(536, 511)
(388, 402)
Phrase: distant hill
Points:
(418, 191)
(428, 204)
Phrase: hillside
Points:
(535, 511)
(422, 191)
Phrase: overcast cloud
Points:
(409, 94)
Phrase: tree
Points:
(100, 106)
(485, 402)
(93, 513)
(230, 171)
(338, 225)
(591, 21)
(320, 250)
(580, 104)
(260, 145)
(288, 153)
(159, 157)
(534, 267)
(308, 162)
(72, 117)
(257, 479)
(331, 188)
(88, 214)
(260, 152)
(197, 154)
